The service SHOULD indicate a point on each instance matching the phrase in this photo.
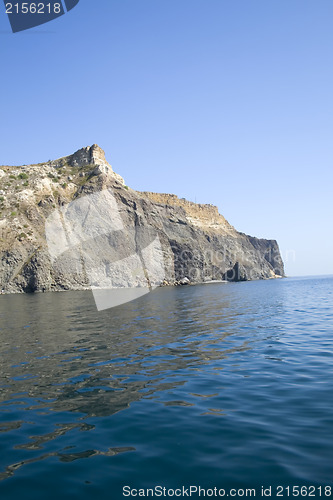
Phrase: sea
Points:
(207, 391)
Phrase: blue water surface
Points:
(220, 385)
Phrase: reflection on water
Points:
(71, 358)
(232, 352)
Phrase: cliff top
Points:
(200, 215)
(56, 182)
(90, 155)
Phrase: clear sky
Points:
(227, 102)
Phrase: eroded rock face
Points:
(91, 155)
(192, 242)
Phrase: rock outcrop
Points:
(194, 242)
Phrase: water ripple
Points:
(197, 382)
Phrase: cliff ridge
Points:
(195, 242)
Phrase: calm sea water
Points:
(222, 385)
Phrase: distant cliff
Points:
(196, 243)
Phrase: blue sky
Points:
(219, 101)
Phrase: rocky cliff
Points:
(72, 223)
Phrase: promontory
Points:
(193, 242)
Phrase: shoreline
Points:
(176, 284)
